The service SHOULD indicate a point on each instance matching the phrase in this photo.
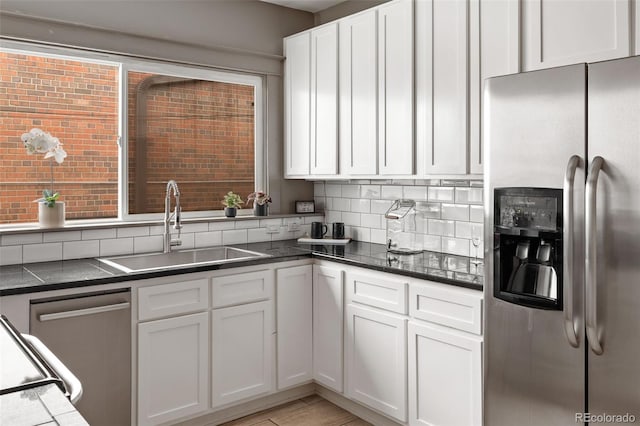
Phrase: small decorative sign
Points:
(305, 207)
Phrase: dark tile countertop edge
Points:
(439, 267)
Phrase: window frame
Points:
(177, 69)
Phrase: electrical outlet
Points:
(272, 229)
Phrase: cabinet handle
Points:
(569, 320)
(83, 312)
(591, 269)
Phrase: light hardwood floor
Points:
(310, 411)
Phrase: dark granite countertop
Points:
(445, 268)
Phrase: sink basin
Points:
(180, 259)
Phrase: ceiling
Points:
(308, 5)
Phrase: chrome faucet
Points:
(168, 242)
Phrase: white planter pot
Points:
(51, 217)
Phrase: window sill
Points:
(79, 225)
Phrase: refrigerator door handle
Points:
(569, 320)
(591, 256)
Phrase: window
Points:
(128, 127)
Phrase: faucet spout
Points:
(172, 186)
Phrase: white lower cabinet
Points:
(295, 325)
(242, 355)
(328, 314)
(376, 356)
(445, 376)
(173, 368)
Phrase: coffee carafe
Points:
(402, 237)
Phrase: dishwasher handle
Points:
(73, 385)
(83, 312)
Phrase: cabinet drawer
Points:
(380, 291)
(452, 307)
(242, 288)
(173, 299)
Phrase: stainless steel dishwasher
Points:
(91, 334)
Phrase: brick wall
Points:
(200, 133)
(75, 102)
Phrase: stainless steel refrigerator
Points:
(562, 255)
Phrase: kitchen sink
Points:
(180, 259)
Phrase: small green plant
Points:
(232, 200)
(50, 198)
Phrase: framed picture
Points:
(305, 207)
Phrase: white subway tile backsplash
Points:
(236, 236)
(378, 236)
(81, 249)
(133, 231)
(416, 193)
(361, 206)
(359, 233)
(463, 230)
(265, 223)
(17, 239)
(222, 226)
(257, 235)
(308, 219)
(246, 224)
(342, 204)
(351, 219)
(442, 227)
(46, 252)
(370, 191)
(371, 221)
(55, 237)
(208, 239)
(333, 190)
(333, 216)
(432, 243)
(476, 214)
(468, 195)
(148, 244)
(429, 210)
(457, 246)
(98, 234)
(195, 227)
(437, 193)
(391, 192)
(380, 206)
(455, 211)
(116, 246)
(188, 240)
(350, 191)
(10, 255)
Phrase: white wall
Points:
(233, 34)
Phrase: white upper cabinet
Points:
(563, 32)
(358, 94)
(441, 86)
(395, 88)
(297, 91)
(324, 100)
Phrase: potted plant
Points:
(261, 202)
(50, 211)
(231, 203)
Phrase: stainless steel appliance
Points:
(91, 334)
(563, 350)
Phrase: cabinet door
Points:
(242, 352)
(294, 293)
(173, 368)
(445, 377)
(358, 94)
(324, 100)
(377, 360)
(328, 314)
(395, 86)
(441, 83)
(297, 89)
(563, 32)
